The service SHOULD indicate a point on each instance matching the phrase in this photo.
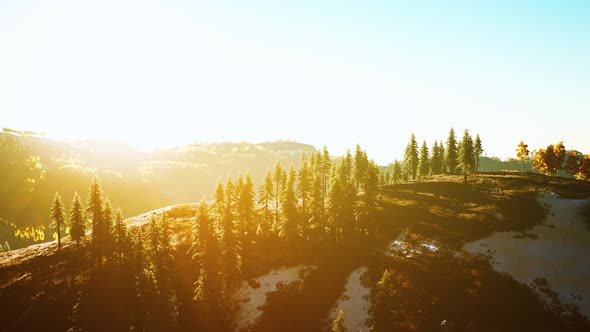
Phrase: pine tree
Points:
(477, 150)
(522, 153)
(230, 241)
(108, 227)
(245, 206)
(424, 161)
(265, 198)
(411, 157)
(437, 160)
(303, 187)
(465, 158)
(121, 238)
(219, 201)
(326, 167)
(77, 221)
(342, 201)
(278, 179)
(361, 164)
(451, 153)
(317, 200)
(154, 234)
(387, 177)
(338, 323)
(58, 217)
(290, 229)
(94, 208)
(370, 196)
(210, 281)
(396, 176)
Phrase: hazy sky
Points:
(160, 73)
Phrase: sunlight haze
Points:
(165, 73)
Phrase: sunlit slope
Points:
(42, 285)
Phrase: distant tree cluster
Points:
(555, 158)
(448, 158)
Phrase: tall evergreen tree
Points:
(437, 159)
(94, 208)
(245, 206)
(265, 198)
(411, 157)
(230, 241)
(424, 161)
(326, 167)
(451, 152)
(219, 201)
(58, 217)
(121, 237)
(317, 200)
(77, 220)
(370, 196)
(210, 282)
(477, 150)
(338, 323)
(108, 227)
(304, 187)
(342, 201)
(278, 179)
(396, 176)
(465, 158)
(361, 163)
(291, 226)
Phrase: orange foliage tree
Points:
(549, 161)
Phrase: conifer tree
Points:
(338, 323)
(370, 195)
(411, 157)
(154, 234)
(451, 153)
(94, 207)
(121, 238)
(77, 220)
(437, 160)
(278, 179)
(424, 161)
(303, 187)
(209, 284)
(108, 227)
(396, 176)
(326, 167)
(58, 217)
(465, 158)
(317, 200)
(342, 201)
(245, 206)
(265, 198)
(219, 201)
(477, 150)
(387, 177)
(361, 164)
(291, 227)
(230, 241)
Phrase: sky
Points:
(166, 73)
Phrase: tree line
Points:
(450, 157)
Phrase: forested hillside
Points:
(34, 167)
